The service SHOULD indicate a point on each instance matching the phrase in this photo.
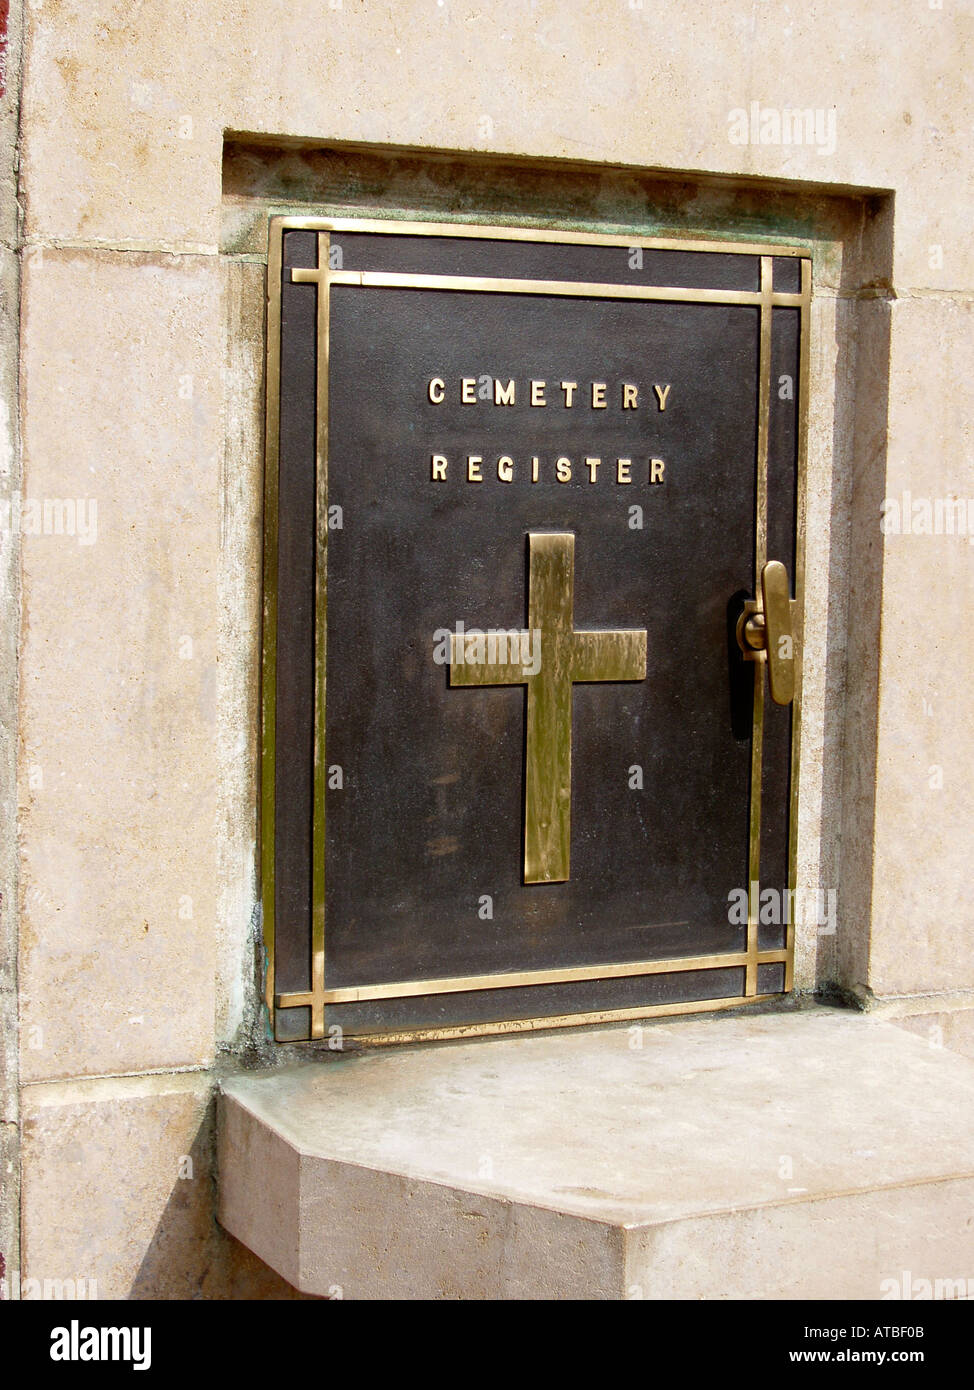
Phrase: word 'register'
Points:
(619, 470)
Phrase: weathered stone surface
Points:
(9, 1209)
(621, 83)
(118, 1189)
(833, 332)
(952, 1028)
(9, 643)
(925, 752)
(870, 1245)
(10, 47)
(676, 1160)
(238, 638)
(120, 383)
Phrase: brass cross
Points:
(566, 656)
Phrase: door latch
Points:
(765, 631)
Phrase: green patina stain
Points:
(262, 181)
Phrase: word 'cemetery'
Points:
(473, 389)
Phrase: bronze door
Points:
(521, 760)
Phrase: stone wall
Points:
(153, 142)
(10, 32)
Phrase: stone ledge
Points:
(814, 1154)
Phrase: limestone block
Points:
(680, 1159)
(925, 758)
(118, 1190)
(953, 1028)
(117, 146)
(120, 381)
(874, 1245)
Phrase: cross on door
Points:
(566, 656)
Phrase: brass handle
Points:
(768, 629)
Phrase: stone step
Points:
(812, 1154)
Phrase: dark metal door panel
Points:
(396, 864)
